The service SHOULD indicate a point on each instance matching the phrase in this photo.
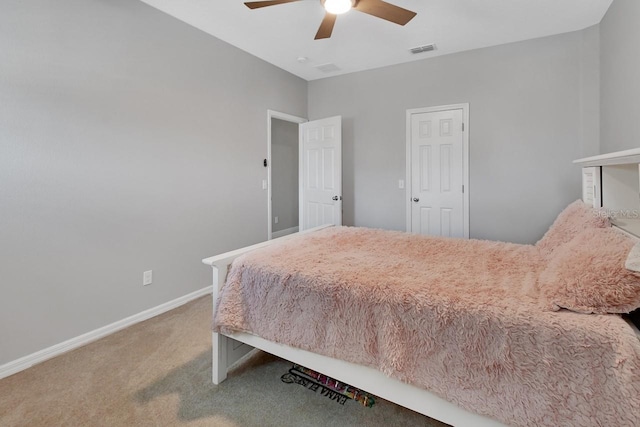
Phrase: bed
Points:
(453, 340)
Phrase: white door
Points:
(437, 162)
(321, 173)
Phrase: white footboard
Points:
(227, 351)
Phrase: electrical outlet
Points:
(147, 278)
(275, 219)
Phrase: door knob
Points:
(415, 199)
(335, 198)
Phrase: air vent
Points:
(328, 68)
(425, 48)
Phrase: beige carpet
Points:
(158, 373)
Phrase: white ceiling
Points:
(283, 33)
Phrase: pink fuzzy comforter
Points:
(460, 318)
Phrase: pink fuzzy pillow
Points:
(575, 218)
(587, 275)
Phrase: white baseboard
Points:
(25, 362)
(284, 232)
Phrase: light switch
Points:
(147, 278)
(401, 184)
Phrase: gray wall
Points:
(533, 108)
(129, 141)
(620, 76)
(284, 174)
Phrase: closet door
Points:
(438, 173)
(592, 186)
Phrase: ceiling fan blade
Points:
(326, 27)
(386, 11)
(258, 4)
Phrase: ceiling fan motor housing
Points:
(338, 6)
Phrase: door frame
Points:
(273, 114)
(465, 160)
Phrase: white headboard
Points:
(612, 181)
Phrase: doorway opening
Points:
(283, 174)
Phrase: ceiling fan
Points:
(377, 8)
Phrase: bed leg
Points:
(219, 365)
(219, 362)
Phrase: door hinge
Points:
(463, 127)
(463, 189)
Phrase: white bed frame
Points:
(229, 349)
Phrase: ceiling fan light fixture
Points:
(338, 7)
